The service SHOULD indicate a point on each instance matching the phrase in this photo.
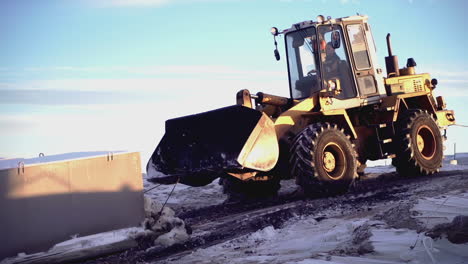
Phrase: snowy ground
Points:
(380, 231)
(373, 236)
(352, 238)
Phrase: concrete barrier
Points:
(46, 203)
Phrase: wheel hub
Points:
(329, 162)
(426, 142)
(420, 142)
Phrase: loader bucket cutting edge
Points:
(196, 149)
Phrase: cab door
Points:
(363, 68)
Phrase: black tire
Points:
(418, 144)
(237, 189)
(323, 160)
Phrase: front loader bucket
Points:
(196, 149)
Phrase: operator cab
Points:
(333, 54)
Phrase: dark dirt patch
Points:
(399, 216)
(359, 244)
(456, 231)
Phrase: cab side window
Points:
(365, 81)
(358, 46)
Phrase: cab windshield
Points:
(303, 57)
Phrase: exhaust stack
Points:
(391, 62)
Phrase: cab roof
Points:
(326, 21)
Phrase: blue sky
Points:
(93, 75)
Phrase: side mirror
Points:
(277, 55)
(336, 39)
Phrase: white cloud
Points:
(451, 81)
(345, 2)
(166, 81)
(208, 71)
(134, 127)
(142, 3)
(127, 3)
(447, 73)
(185, 90)
(175, 86)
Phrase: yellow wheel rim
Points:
(334, 161)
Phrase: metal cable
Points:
(169, 196)
(152, 188)
(460, 125)
(427, 222)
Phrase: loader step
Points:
(385, 141)
(385, 109)
(384, 133)
(382, 125)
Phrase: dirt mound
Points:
(456, 231)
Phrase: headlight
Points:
(274, 31)
(320, 19)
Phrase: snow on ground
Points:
(354, 238)
(441, 209)
(300, 239)
(80, 244)
(185, 197)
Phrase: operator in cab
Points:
(331, 62)
(335, 67)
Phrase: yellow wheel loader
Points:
(342, 111)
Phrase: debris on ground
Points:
(164, 226)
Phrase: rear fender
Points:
(403, 102)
